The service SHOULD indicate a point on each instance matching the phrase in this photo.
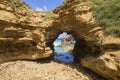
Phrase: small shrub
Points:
(48, 15)
(16, 4)
(66, 1)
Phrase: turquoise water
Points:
(61, 55)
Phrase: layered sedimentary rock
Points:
(21, 35)
(107, 64)
(77, 19)
(29, 34)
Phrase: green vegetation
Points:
(17, 4)
(49, 15)
(107, 13)
(77, 0)
(14, 4)
(66, 1)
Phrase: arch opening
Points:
(63, 48)
(82, 47)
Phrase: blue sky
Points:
(61, 35)
(57, 41)
(43, 5)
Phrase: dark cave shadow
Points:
(42, 61)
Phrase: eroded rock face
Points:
(28, 34)
(21, 35)
(107, 65)
(76, 19)
(21, 43)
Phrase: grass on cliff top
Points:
(17, 5)
(66, 2)
(107, 13)
(49, 15)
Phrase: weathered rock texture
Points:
(21, 32)
(76, 19)
(107, 64)
(28, 34)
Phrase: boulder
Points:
(106, 65)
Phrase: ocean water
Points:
(57, 42)
(61, 55)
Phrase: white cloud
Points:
(44, 8)
(62, 35)
(39, 9)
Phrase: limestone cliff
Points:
(23, 29)
(76, 19)
(29, 34)
(21, 32)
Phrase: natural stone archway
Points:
(87, 34)
(28, 34)
(82, 41)
(36, 34)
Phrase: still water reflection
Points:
(61, 55)
(63, 46)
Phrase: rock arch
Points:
(88, 37)
(86, 32)
(35, 34)
(27, 34)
